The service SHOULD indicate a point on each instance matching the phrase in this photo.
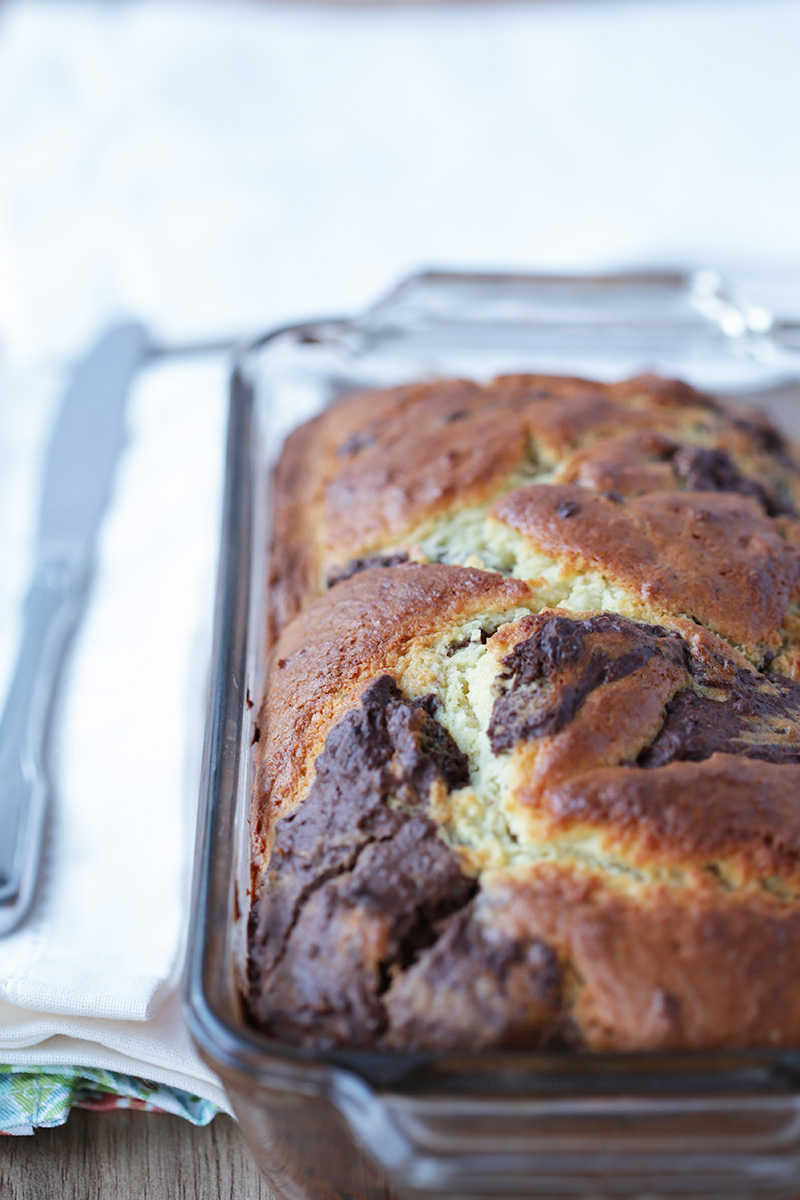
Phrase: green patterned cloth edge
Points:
(39, 1097)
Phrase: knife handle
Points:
(51, 611)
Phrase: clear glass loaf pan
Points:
(356, 1126)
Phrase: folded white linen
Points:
(92, 978)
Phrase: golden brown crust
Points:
(381, 466)
(716, 558)
(557, 809)
(325, 659)
(740, 816)
(293, 561)
(664, 969)
(395, 479)
(632, 464)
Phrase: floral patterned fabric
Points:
(41, 1097)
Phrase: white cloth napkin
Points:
(218, 167)
(93, 978)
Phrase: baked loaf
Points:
(528, 768)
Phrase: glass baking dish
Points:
(357, 1125)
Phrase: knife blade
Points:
(87, 437)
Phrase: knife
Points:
(85, 444)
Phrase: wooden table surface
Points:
(136, 1156)
(131, 1156)
(128, 1155)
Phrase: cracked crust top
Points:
(529, 754)
(413, 470)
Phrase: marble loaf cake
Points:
(528, 758)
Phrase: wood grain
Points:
(126, 1155)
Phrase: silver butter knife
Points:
(85, 444)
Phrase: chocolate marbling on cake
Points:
(528, 767)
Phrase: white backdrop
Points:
(216, 167)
